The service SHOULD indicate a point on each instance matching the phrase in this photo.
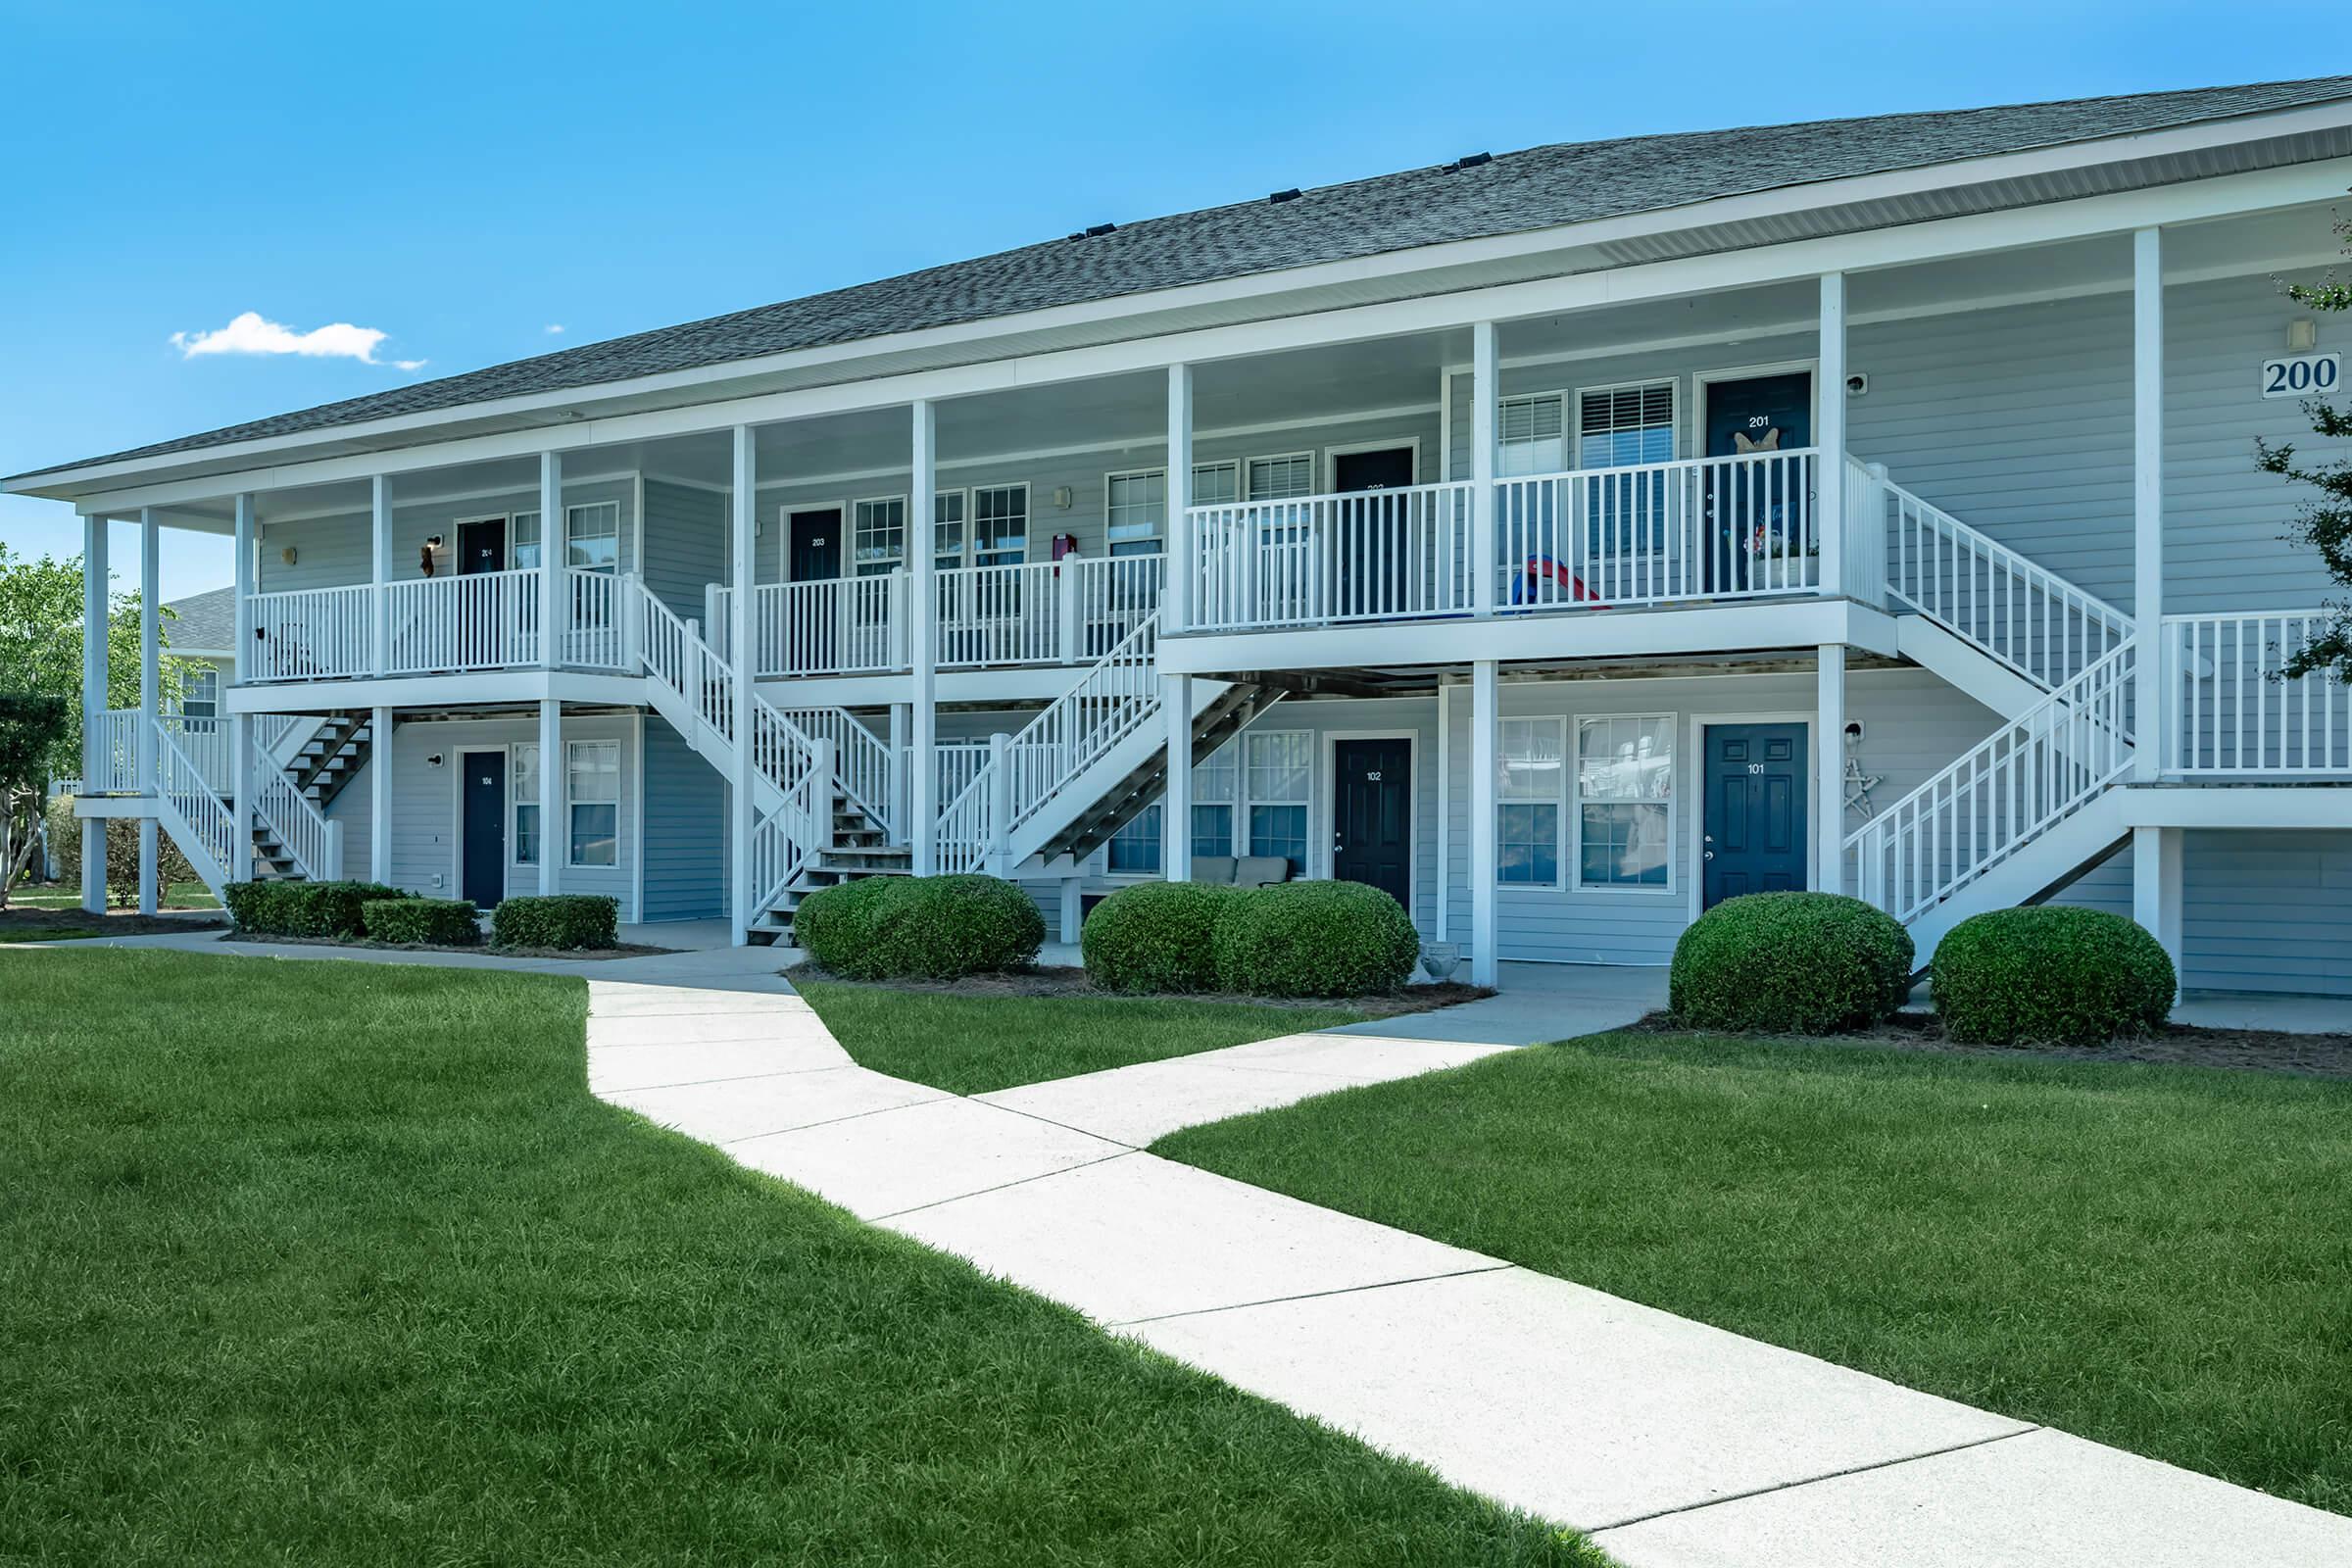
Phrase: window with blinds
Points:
(1617, 425)
(1533, 431)
(1281, 479)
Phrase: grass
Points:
(2152, 1257)
(972, 1045)
(177, 896)
(354, 1271)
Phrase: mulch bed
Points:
(1060, 980)
(627, 950)
(2326, 1055)
(113, 923)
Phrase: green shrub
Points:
(440, 922)
(328, 910)
(1156, 936)
(567, 921)
(1807, 963)
(2051, 976)
(1314, 939)
(121, 853)
(919, 928)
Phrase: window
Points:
(1532, 433)
(592, 775)
(523, 540)
(1276, 776)
(1531, 766)
(1135, 511)
(947, 529)
(527, 803)
(1216, 484)
(199, 691)
(592, 536)
(1618, 425)
(1000, 524)
(1280, 478)
(1624, 800)
(1134, 850)
(878, 534)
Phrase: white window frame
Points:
(571, 534)
(1157, 538)
(1562, 800)
(571, 802)
(853, 562)
(517, 801)
(1575, 864)
(1560, 400)
(1573, 420)
(1230, 805)
(193, 672)
(1239, 466)
(1245, 801)
(1250, 474)
(972, 524)
(961, 554)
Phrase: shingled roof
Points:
(1543, 187)
(206, 623)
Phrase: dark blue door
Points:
(1754, 508)
(483, 877)
(1755, 811)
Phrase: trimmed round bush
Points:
(436, 922)
(1156, 936)
(2050, 976)
(1314, 939)
(1810, 963)
(329, 910)
(919, 928)
(563, 921)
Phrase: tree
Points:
(2326, 522)
(40, 647)
(30, 725)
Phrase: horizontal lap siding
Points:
(339, 551)
(2269, 912)
(685, 804)
(685, 544)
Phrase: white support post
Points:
(713, 620)
(1066, 612)
(555, 834)
(1000, 804)
(380, 797)
(901, 728)
(95, 608)
(334, 851)
(2156, 884)
(1074, 910)
(2150, 722)
(1176, 801)
(1829, 510)
(825, 763)
(241, 796)
(245, 528)
(1485, 966)
(551, 560)
(1445, 811)
(1484, 559)
(379, 575)
(1829, 767)
(150, 697)
(742, 788)
(922, 653)
(1176, 596)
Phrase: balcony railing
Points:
(310, 634)
(2233, 715)
(486, 621)
(1372, 555)
(432, 626)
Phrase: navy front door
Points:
(483, 783)
(1372, 814)
(1755, 812)
(1373, 555)
(1754, 508)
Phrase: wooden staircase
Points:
(1226, 715)
(319, 770)
(860, 847)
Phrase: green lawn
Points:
(177, 896)
(354, 1271)
(972, 1045)
(2158, 1258)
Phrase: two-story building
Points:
(1562, 540)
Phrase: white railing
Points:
(204, 743)
(834, 626)
(675, 657)
(2235, 716)
(784, 841)
(1990, 596)
(1105, 598)
(272, 730)
(998, 615)
(297, 823)
(1736, 528)
(308, 634)
(861, 761)
(208, 818)
(956, 764)
(1366, 555)
(116, 744)
(1864, 548)
(2025, 778)
(593, 622)
(485, 620)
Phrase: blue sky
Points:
(463, 178)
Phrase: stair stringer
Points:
(1966, 669)
(1133, 749)
(2047, 864)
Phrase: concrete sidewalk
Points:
(1677, 1445)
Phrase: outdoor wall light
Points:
(286, 555)
(434, 761)
(1062, 497)
(1857, 385)
(2302, 337)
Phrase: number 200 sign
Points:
(2305, 376)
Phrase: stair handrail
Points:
(1936, 565)
(179, 781)
(2000, 795)
(294, 820)
(861, 758)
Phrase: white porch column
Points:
(150, 693)
(1445, 811)
(1176, 598)
(902, 735)
(551, 562)
(244, 585)
(922, 635)
(94, 675)
(2156, 901)
(1073, 909)
(1829, 510)
(1484, 964)
(2149, 720)
(240, 797)
(742, 792)
(380, 797)
(379, 575)
(1484, 559)
(1176, 804)
(555, 834)
(1829, 768)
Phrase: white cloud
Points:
(253, 333)
(554, 329)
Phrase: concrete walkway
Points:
(1676, 1443)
